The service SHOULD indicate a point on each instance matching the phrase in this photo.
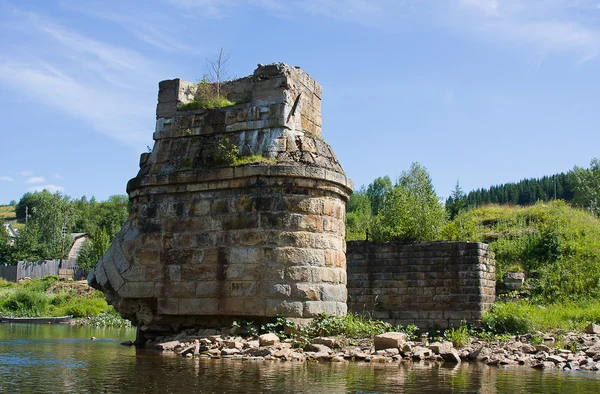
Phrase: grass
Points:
(48, 297)
(557, 246)
(252, 159)
(520, 317)
(7, 212)
(208, 103)
(459, 337)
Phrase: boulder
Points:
(167, 345)
(441, 347)
(329, 342)
(389, 340)
(317, 348)
(451, 356)
(269, 339)
(593, 329)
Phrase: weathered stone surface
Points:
(389, 340)
(435, 284)
(268, 339)
(207, 241)
(593, 329)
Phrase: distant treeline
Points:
(525, 192)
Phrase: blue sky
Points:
(485, 91)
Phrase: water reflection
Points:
(64, 359)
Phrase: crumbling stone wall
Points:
(435, 284)
(207, 243)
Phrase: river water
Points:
(64, 359)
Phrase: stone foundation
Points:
(435, 284)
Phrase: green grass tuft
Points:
(208, 103)
(252, 159)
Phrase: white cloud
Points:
(35, 179)
(6, 178)
(26, 173)
(57, 176)
(111, 88)
(50, 187)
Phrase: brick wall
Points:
(429, 284)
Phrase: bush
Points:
(351, 326)
(26, 302)
(225, 153)
(507, 318)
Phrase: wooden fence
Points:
(39, 269)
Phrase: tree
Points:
(456, 202)
(377, 192)
(216, 69)
(50, 218)
(92, 250)
(586, 186)
(411, 211)
(12, 203)
(5, 247)
(358, 215)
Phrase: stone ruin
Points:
(206, 243)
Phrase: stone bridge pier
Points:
(208, 241)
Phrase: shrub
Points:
(25, 302)
(507, 318)
(225, 153)
(459, 337)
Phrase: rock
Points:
(230, 351)
(258, 352)
(389, 340)
(295, 356)
(338, 359)
(593, 329)
(451, 356)
(380, 359)
(421, 353)
(268, 339)
(593, 351)
(571, 366)
(282, 353)
(317, 348)
(556, 359)
(205, 341)
(233, 344)
(441, 347)
(127, 343)
(542, 348)
(215, 338)
(527, 348)
(167, 345)
(358, 355)
(392, 351)
(214, 352)
(544, 365)
(252, 344)
(407, 348)
(329, 342)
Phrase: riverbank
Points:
(49, 297)
(569, 352)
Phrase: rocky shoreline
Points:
(577, 351)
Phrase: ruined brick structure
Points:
(206, 242)
(435, 284)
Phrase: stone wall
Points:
(429, 284)
(207, 243)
